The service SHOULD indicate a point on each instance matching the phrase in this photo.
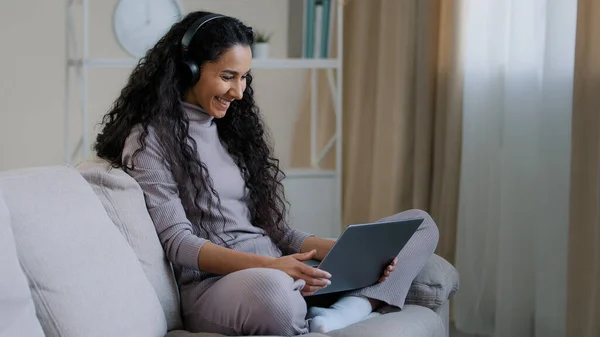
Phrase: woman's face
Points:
(221, 82)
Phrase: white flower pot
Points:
(260, 50)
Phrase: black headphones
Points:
(188, 64)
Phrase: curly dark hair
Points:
(152, 97)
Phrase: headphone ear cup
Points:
(192, 70)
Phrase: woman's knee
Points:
(250, 302)
(278, 308)
(268, 281)
(428, 228)
(428, 222)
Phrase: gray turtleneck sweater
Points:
(180, 237)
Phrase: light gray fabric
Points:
(17, 311)
(256, 301)
(123, 200)
(85, 279)
(412, 321)
(434, 285)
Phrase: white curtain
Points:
(513, 209)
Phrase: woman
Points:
(187, 129)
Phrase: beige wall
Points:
(32, 75)
(31, 82)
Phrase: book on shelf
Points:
(318, 28)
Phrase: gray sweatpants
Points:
(262, 301)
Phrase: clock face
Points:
(139, 24)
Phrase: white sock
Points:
(347, 310)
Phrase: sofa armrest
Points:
(434, 285)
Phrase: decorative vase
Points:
(260, 50)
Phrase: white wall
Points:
(32, 75)
(31, 82)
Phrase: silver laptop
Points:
(362, 253)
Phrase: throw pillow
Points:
(124, 202)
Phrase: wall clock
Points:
(139, 24)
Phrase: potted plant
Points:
(260, 49)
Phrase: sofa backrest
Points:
(84, 278)
(124, 202)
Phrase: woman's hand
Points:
(292, 265)
(388, 270)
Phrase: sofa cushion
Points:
(84, 277)
(17, 311)
(434, 285)
(412, 321)
(124, 202)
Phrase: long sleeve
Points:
(294, 239)
(164, 205)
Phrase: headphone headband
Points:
(190, 67)
(189, 34)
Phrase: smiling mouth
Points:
(224, 101)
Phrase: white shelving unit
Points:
(314, 193)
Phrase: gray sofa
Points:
(80, 258)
